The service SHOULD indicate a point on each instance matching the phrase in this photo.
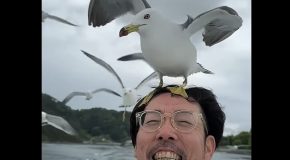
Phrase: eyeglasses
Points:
(183, 121)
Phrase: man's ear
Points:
(209, 147)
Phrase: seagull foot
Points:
(184, 83)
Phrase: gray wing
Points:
(105, 65)
(218, 24)
(44, 16)
(131, 57)
(151, 76)
(106, 90)
(101, 12)
(71, 95)
(60, 123)
(204, 70)
(60, 20)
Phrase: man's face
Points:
(167, 141)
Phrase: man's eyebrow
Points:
(158, 110)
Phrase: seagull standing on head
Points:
(166, 45)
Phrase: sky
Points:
(66, 69)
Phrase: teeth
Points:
(166, 155)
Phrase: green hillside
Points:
(95, 124)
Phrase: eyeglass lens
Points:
(183, 121)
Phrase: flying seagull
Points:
(165, 45)
(57, 122)
(88, 95)
(129, 94)
(46, 15)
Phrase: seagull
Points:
(88, 95)
(57, 122)
(46, 15)
(129, 94)
(166, 45)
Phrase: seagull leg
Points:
(184, 82)
(161, 81)
(124, 114)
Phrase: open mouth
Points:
(166, 155)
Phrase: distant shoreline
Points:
(235, 151)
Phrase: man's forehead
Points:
(165, 100)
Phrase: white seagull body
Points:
(46, 16)
(166, 45)
(88, 95)
(57, 122)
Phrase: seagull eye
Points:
(147, 16)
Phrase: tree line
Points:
(241, 139)
(102, 125)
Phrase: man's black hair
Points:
(214, 115)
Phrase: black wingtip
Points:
(121, 59)
(125, 58)
(84, 52)
(187, 22)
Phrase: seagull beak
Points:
(128, 29)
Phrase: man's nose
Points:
(166, 132)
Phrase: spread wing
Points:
(101, 12)
(46, 15)
(105, 65)
(71, 95)
(106, 90)
(218, 24)
(59, 123)
(148, 78)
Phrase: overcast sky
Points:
(65, 69)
